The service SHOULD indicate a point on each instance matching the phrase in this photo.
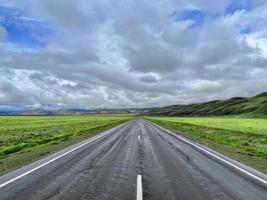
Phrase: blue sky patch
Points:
(196, 16)
(23, 30)
(246, 30)
(236, 5)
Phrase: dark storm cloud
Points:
(134, 54)
(148, 78)
(153, 58)
(10, 94)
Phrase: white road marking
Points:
(139, 137)
(56, 158)
(215, 156)
(139, 188)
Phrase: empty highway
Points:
(137, 160)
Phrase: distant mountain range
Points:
(72, 111)
(252, 107)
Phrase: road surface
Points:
(136, 160)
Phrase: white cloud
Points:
(134, 54)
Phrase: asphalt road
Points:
(107, 166)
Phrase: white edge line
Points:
(56, 158)
(214, 155)
(139, 137)
(139, 188)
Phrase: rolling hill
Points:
(249, 107)
(50, 112)
(252, 107)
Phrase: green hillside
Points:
(252, 107)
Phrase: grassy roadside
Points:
(247, 144)
(26, 139)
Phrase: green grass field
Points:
(240, 138)
(27, 138)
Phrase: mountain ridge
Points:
(255, 106)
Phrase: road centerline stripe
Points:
(139, 188)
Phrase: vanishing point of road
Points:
(136, 160)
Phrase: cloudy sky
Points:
(130, 53)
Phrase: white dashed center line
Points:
(139, 190)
